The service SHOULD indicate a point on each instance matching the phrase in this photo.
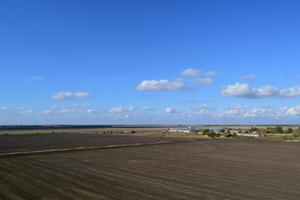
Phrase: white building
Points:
(180, 130)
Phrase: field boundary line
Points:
(85, 148)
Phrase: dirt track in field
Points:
(208, 169)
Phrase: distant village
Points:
(231, 132)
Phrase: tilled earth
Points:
(205, 169)
(20, 143)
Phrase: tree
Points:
(290, 130)
(212, 134)
(206, 132)
(254, 129)
(278, 129)
(209, 133)
(270, 130)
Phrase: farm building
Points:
(180, 130)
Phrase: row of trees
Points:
(279, 129)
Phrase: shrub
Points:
(254, 129)
(290, 130)
(210, 133)
(278, 129)
(206, 132)
(270, 130)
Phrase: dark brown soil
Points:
(209, 169)
(13, 143)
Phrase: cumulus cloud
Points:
(171, 110)
(246, 91)
(191, 72)
(261, 112)
(205, 80)
(288, 111)
(160, 85)
(70, 95)
(248, 77)
(246, 112)
(239, 90)
(190, 76)
(241, 112)
(199, 76)
(290, 92)
(121, 109)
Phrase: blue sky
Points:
(131, 62)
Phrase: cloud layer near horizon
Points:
(244, 90)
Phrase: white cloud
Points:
(237, 112)
(290, 92)
(248, 77)
(198, 76)
(91, 111)
(70, 95)
(81, 94)
(121, 109)
(160, 85)
(261, 112)
(244, 112)
(191, 76)
(239, 90)
(205, 80)
(191, 72)
(171, 110)
(290, 111)
(246, 91)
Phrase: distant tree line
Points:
(279, 129)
